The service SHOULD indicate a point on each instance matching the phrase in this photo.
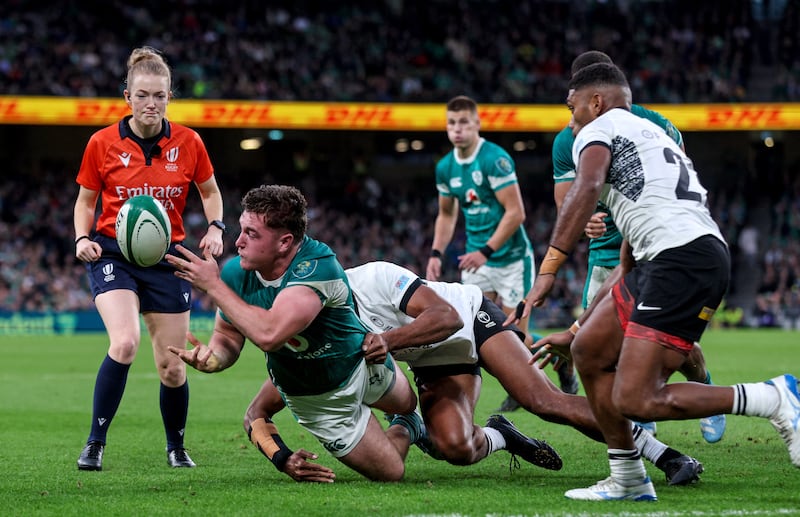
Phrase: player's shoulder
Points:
(659, 120)
(315, 260)
(378, 269)
(562, 146)
(446, 161)
(564, 138)
(492, 150)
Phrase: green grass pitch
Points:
(46, 384)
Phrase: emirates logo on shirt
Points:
(172, 157)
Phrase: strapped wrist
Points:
(436, 254)
(79, 239)
(264, 435)
(573, 329)
(487, 251)
(552, 261)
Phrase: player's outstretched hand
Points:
(556, 345)
(536, 297)
(200, 272)
(200, 357)
(300, 469)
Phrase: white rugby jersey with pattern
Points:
(651, 188)
(382, 290)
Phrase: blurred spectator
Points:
(389, 50)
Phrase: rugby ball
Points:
(143, 230)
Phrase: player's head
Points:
(589, 57)
(282, 207)
(463, 123)
(594, 90)
(148, 87)
(273, 223)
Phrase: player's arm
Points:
(579, 204)
(222, 350)
(563, 177)
(212, 208)
(510, 198)
(263, 433)
(581, 200)
(293, 310)
(83, 221)
(443, 229)
(434, 320)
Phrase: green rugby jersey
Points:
(474, 181)
(324, 355)
(603, 251)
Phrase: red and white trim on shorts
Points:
(624, 302)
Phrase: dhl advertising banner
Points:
(378, 117)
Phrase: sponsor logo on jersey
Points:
(471, 196)
(172, 157)
(305, 269)
(108, 272)
(163, 193)
(477, 177)
(125, 158)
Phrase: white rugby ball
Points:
(143, 230)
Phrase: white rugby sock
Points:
(627, 468)
(755, 399)
(494, 439)
(648, 445)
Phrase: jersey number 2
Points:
(682, 189)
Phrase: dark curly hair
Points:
(598, 74)
(282, 206)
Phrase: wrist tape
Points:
(264, 435)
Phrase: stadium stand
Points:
(392, 51)
(395, 50)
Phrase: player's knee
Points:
(124, 350)
(456, 450)
(388, 473)
(633, 403)
(172, 373)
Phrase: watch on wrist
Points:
(219, 224)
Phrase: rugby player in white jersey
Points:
(448, 333)
(636, 334)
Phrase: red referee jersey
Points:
(116, 165)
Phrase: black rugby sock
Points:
(108, 389)
(174, 409)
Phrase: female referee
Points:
(143, 153)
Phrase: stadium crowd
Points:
(396, 50)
